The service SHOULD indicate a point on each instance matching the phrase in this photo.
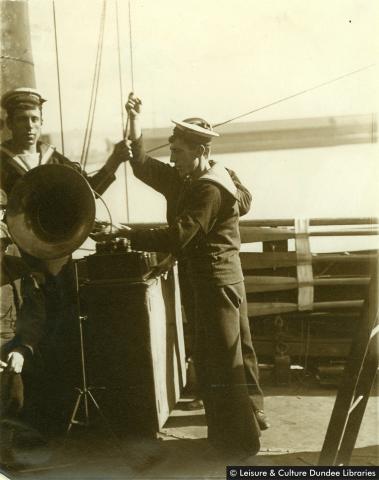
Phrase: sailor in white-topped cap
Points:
(203, 234)
(198, 128)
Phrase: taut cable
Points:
(58, 77)
(280, 100)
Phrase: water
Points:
(337, 181)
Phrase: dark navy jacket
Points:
(202, 217)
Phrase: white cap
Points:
(191, 125)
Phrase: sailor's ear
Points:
(200, 150)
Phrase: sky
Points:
(210, 58)
(218, 59)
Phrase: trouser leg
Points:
(250, 361)
(220, 369)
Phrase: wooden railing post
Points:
(355, 388)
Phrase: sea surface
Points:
(339, 181)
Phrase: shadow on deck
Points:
(299, 415)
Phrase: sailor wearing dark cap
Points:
(24, 120)
(22, 98)
(203, 233)
(46, 312)
(25, 150)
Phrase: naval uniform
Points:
(46, 327)
(250, 361)
(203, 229)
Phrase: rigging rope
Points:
(95, 100)
(119, 70)
(328, 82)
(131, 44)
(94, 90)
(58, 77)
(302, 92)
(131, 61)
(124, 125)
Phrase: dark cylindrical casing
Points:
(16, 60)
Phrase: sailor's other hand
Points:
(163, 266)
(102, 236)
(101, 232)
(123, 231)
(122, 151)
(3, 366)
(133, 105)
(15, 362)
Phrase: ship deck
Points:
(299, 414)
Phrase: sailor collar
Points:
(45, 150)
(220, 176)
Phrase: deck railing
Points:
(305, 306)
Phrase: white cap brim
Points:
(203, 132)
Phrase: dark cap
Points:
(23, 98)
(194, 130)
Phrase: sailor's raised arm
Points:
(158, 175)
(122, 150)
(133, 107)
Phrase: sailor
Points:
(250, 362)
(203, 215)
(25, 151)
(12, 351)
(45, 335)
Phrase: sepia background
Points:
(219, 59)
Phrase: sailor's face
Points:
(25, 126)
(183, 157)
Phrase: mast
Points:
(16, 59)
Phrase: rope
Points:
(127, 120)
(124, 127)
(119, 70)
(131, 60)
(95, 99)
(58, 76)
(106, 207)
(92, 92)
(276, 102)
(131, 44)
(95, 84)
(302, 92)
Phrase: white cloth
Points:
(28, 160)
